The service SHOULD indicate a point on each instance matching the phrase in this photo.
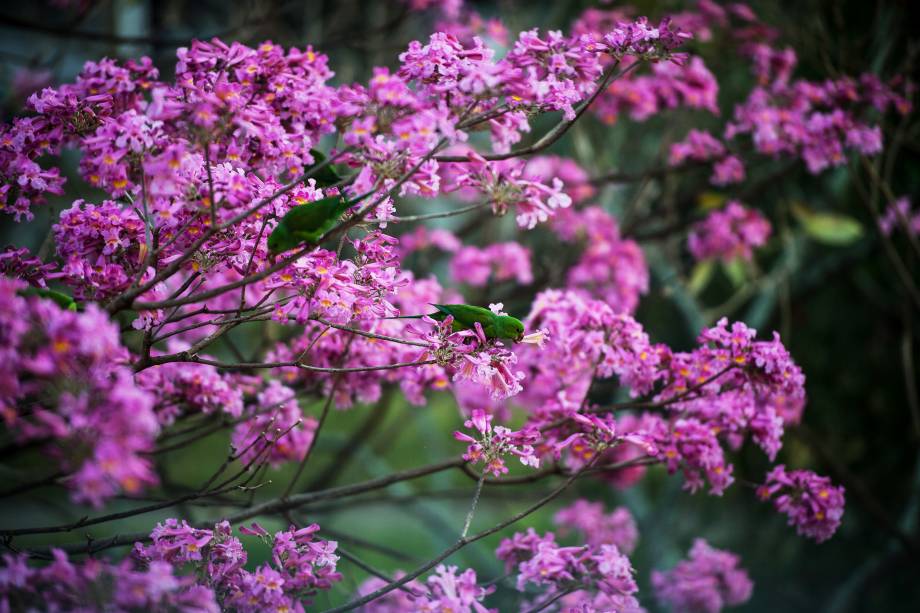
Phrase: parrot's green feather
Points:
(327, 175)
(306, 223)
(60, 298)
(466, 316)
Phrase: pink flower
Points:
(300, 563)
(496, 442)
(499, 261)
(705, 583)
(814, 506)
(95, 584)
(900, 216)
(597, 434)
(176, 542)
(279, 422)
(698, 146)
(692, 446)
(734, 231)
(66, 384)
(504, 186)
(540, 561)
(447, 589)
(728, 170)
(612, 268)
(616, 528)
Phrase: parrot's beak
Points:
(519, 338)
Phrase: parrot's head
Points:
(510, 327)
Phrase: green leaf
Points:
(325, 177)
(828, 228)
(735, 271)
(708, 201)
(700, 276)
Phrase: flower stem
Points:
(469, 516)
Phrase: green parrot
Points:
(466, 316)
(63, 300)
(327, 176)
(306, 224)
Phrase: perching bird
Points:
(466, 316)
(63, 300)
(306, 224)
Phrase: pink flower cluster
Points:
(96, 585)
(20, 264)
(900, 216)
(595, 435)
(612, 269)
(276, 418)
(693, 447)
(813, 504)
(64, 383)
(339, 349)
(187, 389)
(686, 82)
(701, 146)
(301, 565)
(23, 183)
(506, 188)
(499, 262)
(698, 146)
(814, 121)
(320, 284)
(102, 246)
(591, 570)
(470, 356)
(708, 581)
(728, 233)
(669, 86)
(586, 339)
(730, 387)
(641, 40)
(495, 442)
(576, 182)
(446, 590)
(763, 368)
(597, 527)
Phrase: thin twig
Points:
(475, 503)
(460, 544)
(558, 131)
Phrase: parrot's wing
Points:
(444, 308)
(310, 221)
(312, 215)
(60, 298)
(466, 314)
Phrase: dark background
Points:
(840, 308)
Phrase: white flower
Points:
(537, 338)
(496, 307)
